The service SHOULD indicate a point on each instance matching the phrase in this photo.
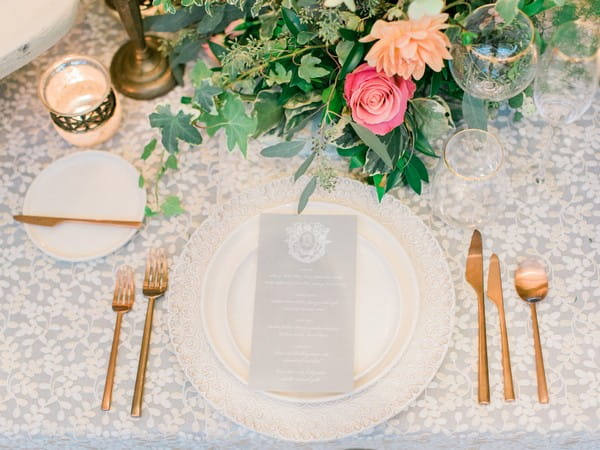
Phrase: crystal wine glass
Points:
(470, 183)
(501, 59)
(566, 79)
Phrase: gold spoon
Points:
(531, 283)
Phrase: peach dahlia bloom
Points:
(405, 47)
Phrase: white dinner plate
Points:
(404, 313)
(94, 184)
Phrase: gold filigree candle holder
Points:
(79, 96)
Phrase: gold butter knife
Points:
(48, 221)
(494, 291)
(474, 276)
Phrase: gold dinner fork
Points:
(122, 303)
(155, 284)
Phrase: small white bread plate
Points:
(93, 184)
(404, 312)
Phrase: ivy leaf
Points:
(149, 212)
(171, 206)
(474, 112)
(283, 149)
(174, 127)
(171, 162)
(304, 37)
(200, 72)
(204, 96)
(309, 190)
(507, 9)
(374, 143)
(308, 68)
(233, 118)
(279, 75)
(148, 149)
(304, 166)
(432, 116)
(267, 111)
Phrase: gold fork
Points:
(155, 284)
(122, 303)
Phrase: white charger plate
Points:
(95, 184)
(404, 313)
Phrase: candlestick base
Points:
(142, 76)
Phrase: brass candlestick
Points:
(138, 70)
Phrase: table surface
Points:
(56, 322)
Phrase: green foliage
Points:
(284, 69)
(174, 127)
(233, 119)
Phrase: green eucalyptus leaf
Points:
(309, 190)
(304, 166)
(283, 149)
(171, 206)
(374, 143)
(141, 181)
(174, 127)
(474, 112)
(182, 18)
(209, 24)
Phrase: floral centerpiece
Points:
(372, 74)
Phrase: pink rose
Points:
(378, 102)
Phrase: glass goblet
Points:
(469, 185)
(566, 80)
(501, 59)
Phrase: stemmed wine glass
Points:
(500, 61)
(566, 79)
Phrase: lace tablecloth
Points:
(56, 322)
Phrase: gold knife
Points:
(494, 292)
(474, 276)
(47, 221)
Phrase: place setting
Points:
(408, 297)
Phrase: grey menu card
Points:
(303, 325)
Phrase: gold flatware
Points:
(531, 283)
(122, 303)
(494, 292)
(48, 221)
(155, 285)
(474, 276)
